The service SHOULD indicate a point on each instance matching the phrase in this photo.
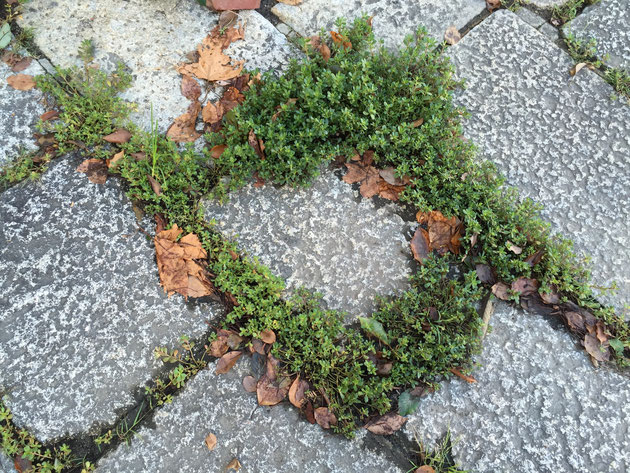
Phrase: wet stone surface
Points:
(609, 23)
(559, 139)
(263, 439)
(19, 112)
(393, 20)
(82, 309)
(324, 237)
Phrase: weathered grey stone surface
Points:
(547, 4)
(263, 439)
(538, 405)
(609, 23)
(325, 238)
(19, 112)
(530, 17)
(393, 20)
(6, 465)
(82, 309)
(151, 39)
(559, 139)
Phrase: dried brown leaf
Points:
(517, 250)
(118, 137)
(492, 5)
(50, 115)
(95, 169)
(183, 127)
(219, 347)
(501, 291)
(485, 274)
(21, 82)
(255, 144)
(22, 465)
(117, 157)
(340, 40)
(227, 362)
(417, 123)
(420, 246)
(234, 465)
(190, 88)
(250, 383)
(270, 389)
(155, 185)
(452, 35)
(211, 441)
(320, 46)
(268, 336)
(594, 348)
(296, 392)
(525, 286)
(386, 424)
(21, 64)
(389, 175)
(259, 346)
(217, 151)
(425, 469)
(444, 233)
(324, 417)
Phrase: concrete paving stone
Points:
(393, 20)
(559, 139)
(324, 237)
(19, 112)
(263, 439)
(150, 38)
(547, 4)
(6, 464)
(530, 17)
(538, 405)
(609, 23)
(82, 308)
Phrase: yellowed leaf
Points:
(211, 441)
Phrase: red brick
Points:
(233, 4)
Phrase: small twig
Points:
(459, 374)
(487, 313)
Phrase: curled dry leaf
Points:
(340, 40)
(389, 175)
(118, 137)
(420, 246)
(492, 5)
(211, 441)
(155, 185)
(219, 347)
(320, 46)
(234, 465)
(444, 233)
(324, 417)
(270, 389)
(452, 35)
(213, 64)
(190, 88)
(485, 274)
(501, 291)
(50, 115)
(417, 123)
(117, 157)
(256, 144)
(309, 413)
(534, 258)
(517, 250)
(465, 377)
(594, 348)
(268, 336)
(296, 392)
(250, 383)
(425, 469)
(176, 266)
(183, 127)
(577, 68)
(525, 286)
(22, 465)
(227, 18)
(227, 362)
(95, 169)
(217, 151)
(386, 424)
(21, 82)
(258, 346)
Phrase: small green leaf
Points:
(374, 327)
(617, 346)
(407, 404)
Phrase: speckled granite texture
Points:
(324, 237)
(393, 20)
(559, 139)
(269, 440)
(82, 309)
(151, 42)
(538, 405)
(609, 23)
(19, 112)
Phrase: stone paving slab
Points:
(324, 237)
(19, 112)
(6, 464)
(270, 440)
(538, 405)
(393, 19)
(560, 140)
(151, 39)
(609, 23)
(82, 309)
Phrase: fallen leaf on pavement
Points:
(594, 348)
(420, 246)
(179, 272)
(271, 390)
(492, 5)
(465, 377)
(577, 68)
(249, 383)
(501, 291)
(219, 347)
(452, 35)
(309, 413)
(211, 441)
(227, 362)
(95, 169)
(234, 465)
(119, 136)
(444, 233)
(296, 392)
(324, 417)
(50, 115)
(525, 286)
(213, 64)
(22, 465)
(21, 82)
(183, 128)
(320, 46)
(22, 64)
(386, 424)
(117, 157)
(190, 88)
(425, 469)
